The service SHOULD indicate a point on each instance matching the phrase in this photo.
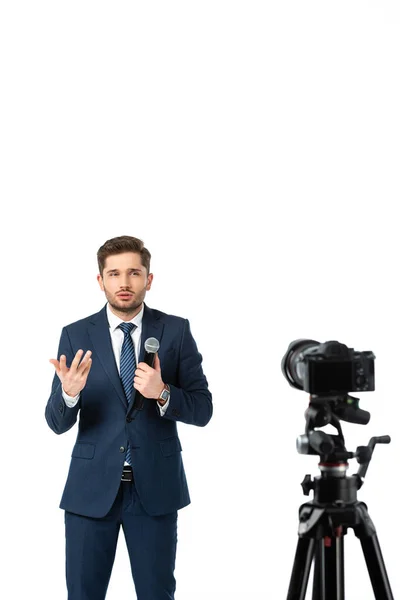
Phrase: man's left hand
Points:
(148, 380)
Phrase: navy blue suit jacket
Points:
(106, 423)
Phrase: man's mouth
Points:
(125, 295)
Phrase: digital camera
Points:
(328, 369)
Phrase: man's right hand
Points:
(73, 379)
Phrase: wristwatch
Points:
(165, 393)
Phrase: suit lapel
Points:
(151, 327)
(99, 332)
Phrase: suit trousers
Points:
(91, 545)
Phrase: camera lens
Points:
(293, 366)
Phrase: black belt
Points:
(127, 473)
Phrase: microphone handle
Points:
(149, 358)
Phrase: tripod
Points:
(324, 521)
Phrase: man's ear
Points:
(149, 281)
(100, 280)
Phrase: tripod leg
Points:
(301, 569)
(319, 571)
(329, 569)
(366, 532)
(376, 568)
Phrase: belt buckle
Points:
(127, 474)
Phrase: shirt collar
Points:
(115, 321)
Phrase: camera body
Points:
(330, 368)
(333, 368)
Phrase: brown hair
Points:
(118, 245)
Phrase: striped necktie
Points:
(127, 369)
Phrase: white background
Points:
(254, 147)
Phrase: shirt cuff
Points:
(163, 408)
(69, 400)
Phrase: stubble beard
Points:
(126, 307)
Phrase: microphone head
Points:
(151, 345)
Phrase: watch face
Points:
(165, 395)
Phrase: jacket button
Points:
(122, 449)
(129, 420)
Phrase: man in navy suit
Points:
(126, 466)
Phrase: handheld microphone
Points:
(151, 346)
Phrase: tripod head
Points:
(331, 448)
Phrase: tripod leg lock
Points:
(364, 527)
(310, 516)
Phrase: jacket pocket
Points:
(83, 450)
(170, 446)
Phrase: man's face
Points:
(125, 283)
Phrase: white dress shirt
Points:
(117, 338)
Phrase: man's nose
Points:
(124, 283)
